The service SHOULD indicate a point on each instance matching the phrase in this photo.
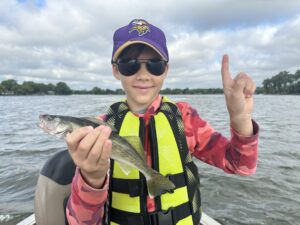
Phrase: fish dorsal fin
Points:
(135, 142)
(93, 119)
(99, 121)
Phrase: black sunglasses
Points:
(130, 67)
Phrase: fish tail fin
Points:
(159, 184)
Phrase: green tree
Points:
(109, 92)
(1, 89)
(62, 89)
(9, 85)
(29, 87)
(97, 91)
(119, 91)
(50, 87)
(267, 85)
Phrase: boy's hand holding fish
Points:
(90, 150)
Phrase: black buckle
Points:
(169, 176)
(135, 190)
(164, 217)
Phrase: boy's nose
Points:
(143, 72)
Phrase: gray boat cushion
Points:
(53, 188)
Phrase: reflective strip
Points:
(186, 221)
(118, 173)
(168, 153)
(119, 200)
(125, 202)
(130, 125)
(170, 163)
(178, 197)
(113, 223)
(133, 122)
(166, 99)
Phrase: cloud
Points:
(71, 41)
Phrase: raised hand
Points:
(239, 98)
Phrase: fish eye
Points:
(49, 117)
(56, 120)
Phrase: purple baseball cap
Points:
(142, 32)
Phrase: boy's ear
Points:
(167, 70)
(116, 72)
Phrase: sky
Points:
(71, 40)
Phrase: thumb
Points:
(226, 75)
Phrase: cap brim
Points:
(131, 42)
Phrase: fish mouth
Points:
(43, 124)
(52, 125)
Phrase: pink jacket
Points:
(238, 155)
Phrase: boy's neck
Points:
(143, 109)
(138, 110)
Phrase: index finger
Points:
(76, 136)
(226, 76)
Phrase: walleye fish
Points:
(127, 151)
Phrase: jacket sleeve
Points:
(85, 204)
(235, 155)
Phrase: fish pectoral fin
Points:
(125, 168)
(135, 142)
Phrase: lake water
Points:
(270, 196)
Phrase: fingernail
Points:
(106, 129)
(89, 128)
(98, 128)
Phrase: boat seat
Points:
(53, 189)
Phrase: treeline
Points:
(11, 87)
(282, 83)
(187, 91)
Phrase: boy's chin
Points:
(142, 101)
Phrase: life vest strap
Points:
(133, 187)
(136, 187)
(169, 217)
(177, 179)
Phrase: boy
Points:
(170, 132)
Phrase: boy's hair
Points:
(133, 52)
(139, 31)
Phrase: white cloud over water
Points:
(71, 41)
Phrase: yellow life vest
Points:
(170, 156)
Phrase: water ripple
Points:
(268, 197)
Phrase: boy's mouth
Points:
(142, 87)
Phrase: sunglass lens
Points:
(156, 67)
(128, 68)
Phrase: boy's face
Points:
(142, 87)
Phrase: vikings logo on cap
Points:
(141, 26)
